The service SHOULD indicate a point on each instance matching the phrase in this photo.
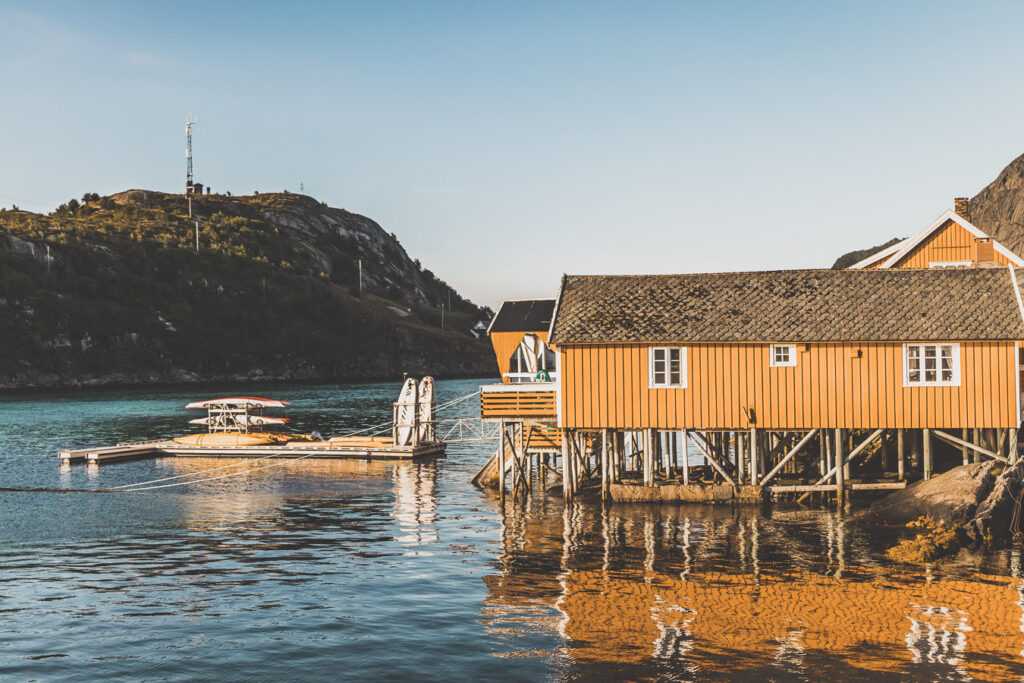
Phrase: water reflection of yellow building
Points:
(878, 624)
(699, 591)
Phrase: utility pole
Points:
(190, 187)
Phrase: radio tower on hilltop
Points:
(190, 187)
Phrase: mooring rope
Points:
(146, 485)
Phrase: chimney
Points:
(962, 207)
(984, 251)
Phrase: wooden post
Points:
(501, 465)
(1011, 447)
(840, 471)
(753, 456)
(844, 447)
(886, 454)
(964, 455)
(670, 453)
(926, 452)
(648, 457)
(566, 466)
(977, 442)
(822, 446)
(686, 460)
(605, 474)
(741, 458)
(901, 453)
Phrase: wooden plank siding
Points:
(606, 386)
(951, 242)
(504, 343)
(517, 404)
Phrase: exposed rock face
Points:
(994, 518)
(999, 208)
(951, 498)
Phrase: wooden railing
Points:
(528, 400)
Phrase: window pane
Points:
(659, 377)
(914, 376)
(659, 354)
(947, 363)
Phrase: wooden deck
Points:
(310, 450)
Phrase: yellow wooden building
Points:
(950, 241)
(801, 375)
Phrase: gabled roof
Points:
(897, 252)
(523, 315)
(790, 306)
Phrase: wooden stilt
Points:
(926, 453)
(501, 465)
(789, 456)
(965, 456)
(648, 457)
(741, 457)
(977, 440)
(844, 448)
(566, 466)
(886, 455)
(753, 455)
(686, 460)
(840, 470)
(901, 458)
(949, 438)
(606, 479)
(1011, 447)
(822, 446)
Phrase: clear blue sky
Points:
(508, 143)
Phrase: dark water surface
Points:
(355, 570)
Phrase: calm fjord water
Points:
(326, 570)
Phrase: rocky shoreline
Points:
(971, 505)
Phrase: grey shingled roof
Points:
(789, 306)
(524, 315)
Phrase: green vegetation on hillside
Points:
(123, 292)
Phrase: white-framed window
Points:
(667, 366)
(931, 365)
(531, 361)
(949, 264)
(782, 355)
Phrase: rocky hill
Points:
(998, 210)
(111, 290)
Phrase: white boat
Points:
(238, 402)
(242, 419)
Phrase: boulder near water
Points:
(951, 498)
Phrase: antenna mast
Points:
(190, 187)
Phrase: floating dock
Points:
(307, 450)
(229, 420)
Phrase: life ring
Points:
(543, 376)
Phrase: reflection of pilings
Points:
(416, 502)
